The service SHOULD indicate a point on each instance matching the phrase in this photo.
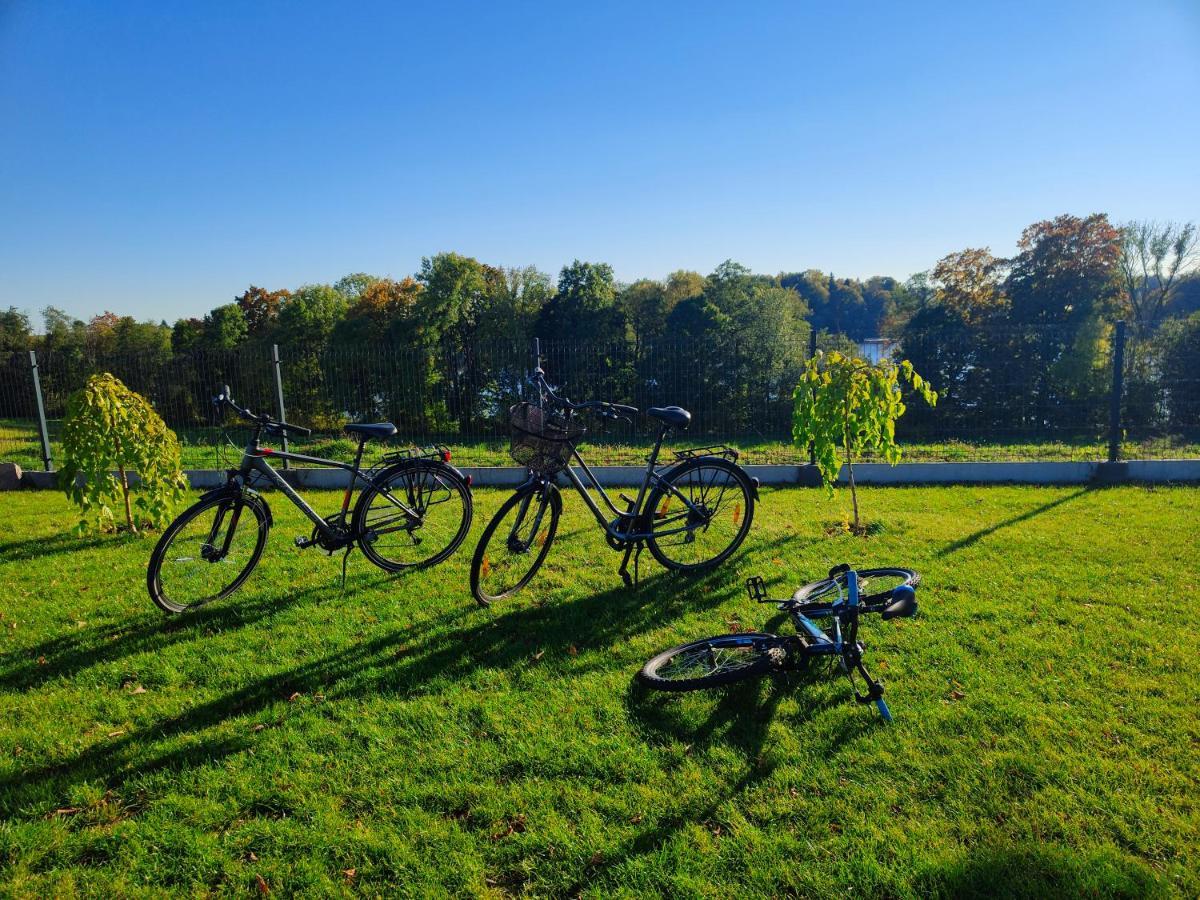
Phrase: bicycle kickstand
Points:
(635, 550)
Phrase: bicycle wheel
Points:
(711, 525)
(207, 552)
(515, 544)
(874, 585)
(714, 662)
(391, 538)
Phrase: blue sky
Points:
(156, 158)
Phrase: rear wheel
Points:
(394, 540)
(515, 543)
(700, 514)
(714, 662)
(207, 552)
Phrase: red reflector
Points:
(445, 456)
(469, 480)
(266, 450)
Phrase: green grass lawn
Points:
(205, 448)
(395, 738)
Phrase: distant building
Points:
(874, 350)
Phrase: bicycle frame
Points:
(650, 478)
(254, 460)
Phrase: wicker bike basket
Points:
(541, 438)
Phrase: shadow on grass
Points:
(70, 654)
(1039, 871)
(976, 537)
(410, 661)
(63, 542)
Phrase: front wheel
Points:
(714, 662)
(392, 538)
(699, 514)
(515, 543)
(208, 552)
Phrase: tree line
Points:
(1014, 341)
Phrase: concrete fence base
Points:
(1156, 471)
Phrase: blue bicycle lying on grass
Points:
(826, 615)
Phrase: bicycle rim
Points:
(207, 554)
(394, 540)
(514, 546)
(873, 585)
(708, 527)
(714, 661)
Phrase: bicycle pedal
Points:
(757, 589)
(302, 542)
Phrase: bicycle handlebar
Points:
(225, 398)
(604, 408)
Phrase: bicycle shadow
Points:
(407, 660)
(70, 654)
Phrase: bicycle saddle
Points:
(379, 430)
(672, 415)
(903, 605)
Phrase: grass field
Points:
(205, 448)
(394, 738)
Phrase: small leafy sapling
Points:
(110, 429)
(844, 406)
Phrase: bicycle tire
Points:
(423, 468)
(760, 662)
(691, 469)
(554, 502)
(237, 505)
(808, 592)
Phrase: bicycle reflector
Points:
(445, 456)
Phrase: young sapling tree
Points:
(844, 406)
(108, 429)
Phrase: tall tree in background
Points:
(225, 327)
(260, 309)
(15, 332)
(1063, 285)
(970, 283)
(1153, 258)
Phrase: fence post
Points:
(1118, 388)
(812, 352)
(41, 409)
(279, 397)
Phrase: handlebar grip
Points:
(295, 429)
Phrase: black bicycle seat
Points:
(673, 415)
(379, 430)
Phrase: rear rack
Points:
(721, 450)
(430, 451)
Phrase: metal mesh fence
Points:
(1005, 394)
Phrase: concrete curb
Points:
(1152, 471)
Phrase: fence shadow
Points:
(982, 533)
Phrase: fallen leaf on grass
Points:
(296, 695)
(259, 727)
(63, 811)
(957, 695)
(349, 873)
(263, 887)
(573, 650)
(117, 733)
(138, 690)
(597, 858)
(538, 655)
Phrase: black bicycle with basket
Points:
(692, 514)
